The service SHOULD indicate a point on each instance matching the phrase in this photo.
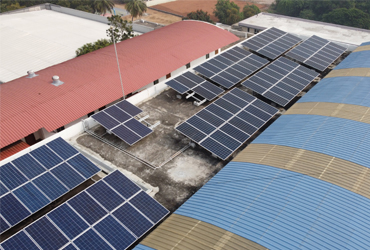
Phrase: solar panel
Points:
(316, 52)
(113, 213)
(222, 127)
(271, 42)
(231, 66)
(118, 119)
(36, 179)
(189, 82)
(281, 81)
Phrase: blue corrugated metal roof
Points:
(280, 209)
(342, 138)
(359, 59)
(142, 247)
(347, 89)
(363, 44)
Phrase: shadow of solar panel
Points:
(138, 127)
(177, 86)
(114, 233)
(19, 241)
(225, 140)
(46, 235)
(203, 126)
(62, 148)
(46, 157)
(11, 177)
(50, 186)
(12, 210)
(89, 209)
(216, 148)
(91, 240)
(106, 196)
(132, 219)
(31, 197)
(117, 113)
(68, 221)
(126, 134)
(149, 207)
(105, 120)
(123, 185)
(129, 108)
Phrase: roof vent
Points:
(56, 81)
(31, 74)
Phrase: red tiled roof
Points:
(92, 81)
(13, 149)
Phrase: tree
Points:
(227, 12)
(200, 15)
(307, 14)
(119, 29)
(89, 47)
(103, 6)
(86, 8)
(136, 8)
(250, 10)
(289, 7)
(350, 17)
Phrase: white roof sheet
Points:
(39, 39)
(307, 28)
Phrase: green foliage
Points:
(350, 17)
(86, 8)
(103, 6)
(89, 47)
(136, 8)
(84, 5)
(250, 10)
(10, 6)
(290, 7)
(200, 15)
(307, 14)
(227, 12)
(119, 29)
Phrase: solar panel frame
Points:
(229, 129)
(317, 52)
(281, 81)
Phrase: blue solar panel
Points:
(122, 184)
(209, 117)
(28, 166)
(149, 207)
(87, 208)
(19, 241)
(70, 247)
(3, 225)
(242, 125)
(11, 177)
(132, 219)
(91, 241)
(185, 81)
(46, 234)
(225, 140)
(117, 113)
(191, 132)
(129, 108)
(234, 132)
(200, 124)
(12, 210)
(85, 167)
(106, 120)
(67, 175)
(138, 127)
(177, 86)
(220, 112)
(46, 157)
(62, 148)
(106, 196)
(193, 77)
(126, 134)
(48, 184)
(114, 233)
(216, 148)
(3, 190)
(251, 119)
(31, 197)
(68, 221)
(227, 105)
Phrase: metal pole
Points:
(119, 70)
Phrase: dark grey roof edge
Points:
(43, 6)
(252, 26)
(308, 21)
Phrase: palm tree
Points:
(136, 8)
(102, 6)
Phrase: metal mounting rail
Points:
(174, 155)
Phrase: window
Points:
(216, 51)
(168, 75)
(255, 31)
(248, 30)
(100, 109)
(207, 56)
(188, 65)
(156, 82)
(60, 129)
(90, 114)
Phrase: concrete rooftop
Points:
(307, 28)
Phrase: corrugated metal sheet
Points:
(92, 80)
(280, 209)
(142, 247)
(341, 138)
(356, 60)
(13, 149)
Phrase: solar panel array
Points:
(272, 42)
(226, 124)
(38, 178)
(281, 81)
(230, 67)
(111, 214)
(119, 119)
(191, 82)
(317, 52)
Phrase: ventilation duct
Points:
(56, 81)
(31, 74)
